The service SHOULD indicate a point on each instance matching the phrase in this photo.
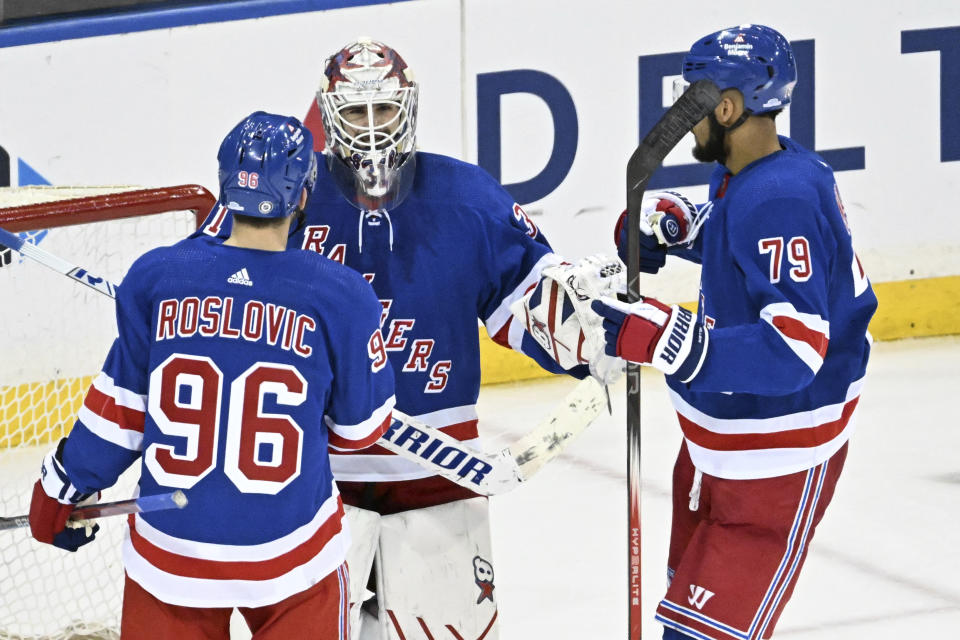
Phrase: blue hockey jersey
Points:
(233, 372)
(787, 304)
(456, 249)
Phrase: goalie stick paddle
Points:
(484, 473)
(158, 502)
(692, 107)
(494, 473)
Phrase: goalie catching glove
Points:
(650, 332)
(54, 499)
(557, 314)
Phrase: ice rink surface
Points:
(884, 562)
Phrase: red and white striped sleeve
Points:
(351, 437)
(807, 334)
(113, 413)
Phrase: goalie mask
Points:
(368, 103)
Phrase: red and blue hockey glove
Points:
(54, 499)
(653, 255)
(667, 219)
(650, 332)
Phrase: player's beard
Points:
(713, 149)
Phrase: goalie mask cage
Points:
(55, 336)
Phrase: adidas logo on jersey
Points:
(241, 277)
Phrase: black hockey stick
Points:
(692, 107)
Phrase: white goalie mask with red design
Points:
(368, 103)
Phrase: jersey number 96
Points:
(263, 450)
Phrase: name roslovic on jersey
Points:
(233, 373)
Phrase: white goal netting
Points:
(54, 338)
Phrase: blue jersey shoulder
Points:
(187, 259)
(444, 178)
(793, 173)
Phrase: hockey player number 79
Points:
(185, 400)
(798, 254)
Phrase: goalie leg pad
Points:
(436, 574)
(364, 538)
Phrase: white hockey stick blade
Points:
(494, 473)
(81, 515)
(567, 420)
(481, 472)
(57, 263)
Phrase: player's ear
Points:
(730, 108)
(303, 198)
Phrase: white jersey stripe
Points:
(765, 463)
(502, 313)
(110, 431)
(812, 321)
(363, 429)
(801, 420)
(200, 592)
(818, 332)
(239, 553)
(123, 397)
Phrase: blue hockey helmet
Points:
(754, 59)
(265, 162)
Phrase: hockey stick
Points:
(692, 107)
(56, 263)
(158, 502)
(491, 474)
(485, 473)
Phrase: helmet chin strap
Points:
(743, 118)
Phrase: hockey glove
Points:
(667, 219)
(557, 314)
(653, 255)
(54, 499)
(650, 332)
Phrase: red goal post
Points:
(108, 206)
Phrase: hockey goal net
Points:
(55, 336)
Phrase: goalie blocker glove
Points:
(650, 332)
(54, 498)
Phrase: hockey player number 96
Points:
(263, 450)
